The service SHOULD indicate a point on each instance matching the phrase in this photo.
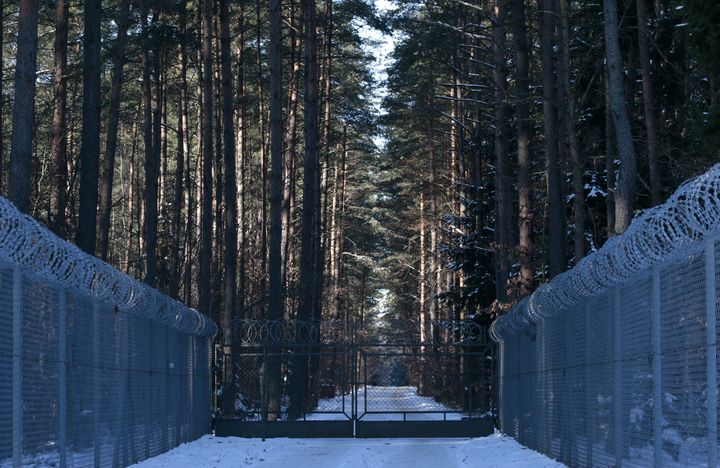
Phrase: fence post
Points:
(542, 425)
(263, 402)
(710, 311)
(192, 387)
(62, 376)
(17, 426)
(500, 385)
(617, 375)
(96, 380)
(589, 401)
(655, 320)
(165, 376)
(565, 392)
(124, 389)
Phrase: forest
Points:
(247, 158)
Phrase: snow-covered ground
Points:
(384, 404)
(217, 452)
(493, 451)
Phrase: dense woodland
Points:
(227, 152)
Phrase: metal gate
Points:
(338, 379)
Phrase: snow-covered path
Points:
(217, 452)
(383, 404)
(492, 451)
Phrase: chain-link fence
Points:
(614, 363)
(447, 381)
(247, 390)
(95, 368)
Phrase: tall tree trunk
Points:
(131, 202)
(218, 254)
(310, 213)
(264, 273)
(276, 189)
(502, 172)
(341, 304)
(312, 148)
(276, 157)
(555, 227)
(180, 161)
(323, 167)
(58, 189)
(108, 162)
(230, 237)
(90, 146)
(152, 152)
(323, 240)
(204, 280)
(421, 270)
(23, 120)
(568, 112)
(522, 116)
(454, 188)
(241, 151)
(610, 156)
(433, 264)
(334, 231)
(648, 102)
(625, 187)
(290, 141)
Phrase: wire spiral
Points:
(25, 243)
(661, 234)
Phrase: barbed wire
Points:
(260, 332)
(25, 243)
(251, 332)
(661, 234)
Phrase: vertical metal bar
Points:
(617, 375)
(365, 379)
(354, 384)
(263, 397)
(62, 376)
(710, 311)
(96, 380)
(528, 403)
(589, 401)
(567, 394)
(17, 426)
(656, 312)
(148, 393)
(165, 376)
(544, 425)
(500, 381)
(191, 385)
(124, 382)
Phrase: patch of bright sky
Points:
(383, 302)
(381, 47)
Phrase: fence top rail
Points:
(26, 244)
(662, 234)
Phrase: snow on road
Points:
(384, 404)
(492, 451)
(219, 452)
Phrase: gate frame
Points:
(252, 338)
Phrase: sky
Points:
(381, 47)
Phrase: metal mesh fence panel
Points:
(615, 362)
(96, 368)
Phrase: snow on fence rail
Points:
(96, 368)
(614, 362)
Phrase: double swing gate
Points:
(334, 378)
